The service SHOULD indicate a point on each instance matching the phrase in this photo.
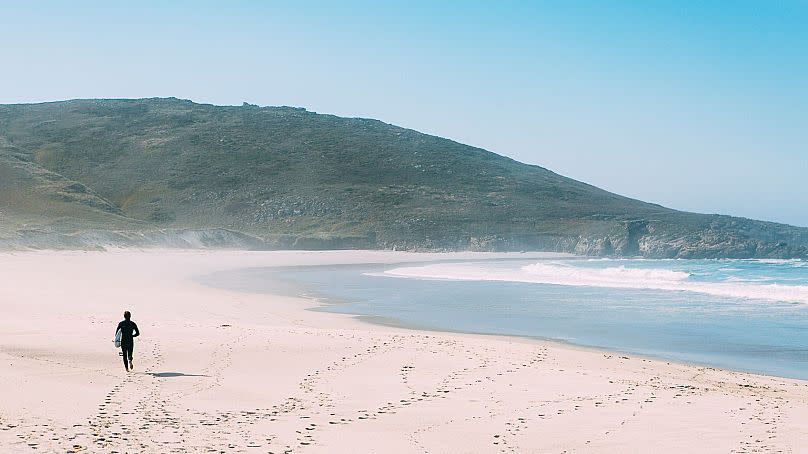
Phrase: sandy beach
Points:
(223, 371)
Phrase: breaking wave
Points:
(619, 277)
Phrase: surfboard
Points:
(117, 339)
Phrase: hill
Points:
(170, 172)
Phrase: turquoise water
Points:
(738, 314)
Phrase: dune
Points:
(223, 371)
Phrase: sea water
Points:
(749, 315)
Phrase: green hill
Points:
(169, 172)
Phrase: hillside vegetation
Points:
(169, 172)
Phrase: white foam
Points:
(775, 261)
(612, 277)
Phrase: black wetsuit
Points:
(129, 331)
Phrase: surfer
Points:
(129, 332)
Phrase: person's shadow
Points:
(173, 374)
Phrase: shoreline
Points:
(225, 370)
(321, 303)
(381, 321)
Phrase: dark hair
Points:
(127, 315)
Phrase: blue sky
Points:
(696, 105)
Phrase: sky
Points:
(696, 105)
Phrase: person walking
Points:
(129, 332)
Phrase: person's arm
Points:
(137, 331)
(118, 328)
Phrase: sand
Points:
(221, 371)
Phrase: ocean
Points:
(747, 315)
